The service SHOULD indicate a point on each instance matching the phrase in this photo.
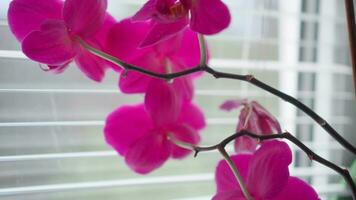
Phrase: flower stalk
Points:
(236, 173)
(227, 158)
(247, 78)
(203, 50)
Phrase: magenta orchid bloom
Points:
(265, 174)
(254, 118)
(178, 53)
(49, 32)
(143, 133)
(144, 137)
(172, 16)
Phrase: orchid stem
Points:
(181, 144)
(236, 173)
(227, 158)
(203, 50)
(102, 54)
(217, 74)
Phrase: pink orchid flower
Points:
(178, 53)
(143, 133)
(49, 32)
(172, 16)
(254, 118)
(265, 174)
(144, 137)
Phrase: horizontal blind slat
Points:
(235, 64)
(93, 154)
(104, 184)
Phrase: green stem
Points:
(203, 49)
(102, 54)
(236, 173)
(181, 144)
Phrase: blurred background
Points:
(51, 141)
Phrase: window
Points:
(51, 142)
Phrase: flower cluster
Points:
(51, 32)
(167, 113)
(162, 37)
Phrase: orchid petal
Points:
(125, 37)
(268, 170)
(192, 115)
(189, 51)
(162, 102)
(146, 12)
(248, 120)
(99, 41)
(209, 16)
(162, 31)
(121, 129)
(297, 189)
(25, 16)
(225, 179)
(136, 82)
(84, 17)
(232, 104)
(170, 46)
(122, 42)
(187, 3)
(92, 66)
(103, 33)
(184, 88)
(245, 144)
(133, 82)
(51, 45)
(254, 118)
(267, 122)
(148, 153)
(183, 133)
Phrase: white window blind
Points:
(51, 141)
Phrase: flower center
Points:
(177, 10)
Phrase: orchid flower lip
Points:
(178, 10)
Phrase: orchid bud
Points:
(254, 118)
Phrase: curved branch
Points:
(227, 158)
(323, 123)
(247, 78)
